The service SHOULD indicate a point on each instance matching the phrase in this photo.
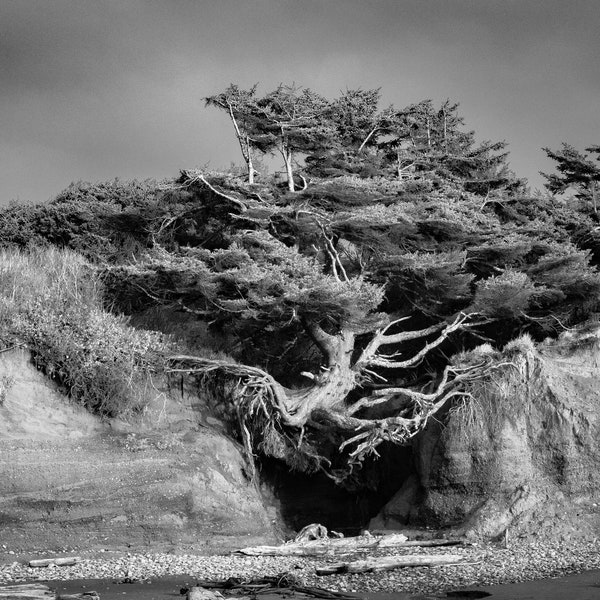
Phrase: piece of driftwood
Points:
(435, 543)
(387, 563)
(201, 593)
(91, 595)
(64, 561)
(283, 584)
(29, 591)
(327, 546)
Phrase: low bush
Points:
(51, 301)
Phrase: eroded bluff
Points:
(521, 455)
(70, 480)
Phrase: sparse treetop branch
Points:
(576, 170)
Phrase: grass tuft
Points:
(51, 301)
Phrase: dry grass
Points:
(502, 393)
(51, 301)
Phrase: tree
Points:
(423, 141)
(293, 119)
(356, 123)
(257, 287)
(575, 170)
(338, 318)
(321, 324)
(240, 105)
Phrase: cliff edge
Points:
(521, 456)
(69, 480)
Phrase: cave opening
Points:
(301, 499)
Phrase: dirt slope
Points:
(70, 480)
(523, 456)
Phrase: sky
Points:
(96, 89)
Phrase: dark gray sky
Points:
(97, 89)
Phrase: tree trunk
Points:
(287, 159)
(244, 143)
(332, 384)
(249, 162)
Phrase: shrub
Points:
(50, 300)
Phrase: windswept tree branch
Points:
(382, 395)
(400, 428)
(371, 356)
(192, 177)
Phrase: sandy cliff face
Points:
(70, 480)
(522, 456)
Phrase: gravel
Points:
(484, 565)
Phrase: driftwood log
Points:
(64, 561)
(326, 546)
(284, 585)
(38, 591)
(29, 591)
(333, 546)
(202, 593)
(387, 563)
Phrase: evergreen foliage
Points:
(576, 170)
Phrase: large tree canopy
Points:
(352, 135)
(340, 304)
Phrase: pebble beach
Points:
(483, 565)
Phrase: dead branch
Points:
(28, 591)
(235, 201)
(334, 257)
(195, 177)
(282, 584)
(372, 357)
(58, 561)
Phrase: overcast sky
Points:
(97, 89)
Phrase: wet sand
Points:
(583, 586)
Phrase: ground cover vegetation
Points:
(321, 309)
(51, 302)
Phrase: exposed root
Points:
(306, 427)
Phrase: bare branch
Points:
(405, 336)
(336, 262)
(371, 356)
(195, 176)
(235, 201)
